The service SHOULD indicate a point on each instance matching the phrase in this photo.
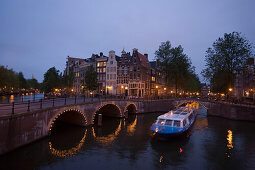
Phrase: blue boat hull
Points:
(167, 131)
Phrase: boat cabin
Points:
(178, 118)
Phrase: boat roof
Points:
(178, 114)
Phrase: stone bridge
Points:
(23, 128)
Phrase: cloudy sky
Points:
(38, 34)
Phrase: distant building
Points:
(139, 77)
(111, 74)
(101, 71)
(245, 81)
(123, 73)
(127, 75)
(205, 90)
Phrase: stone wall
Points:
(234, 112)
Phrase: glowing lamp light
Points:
(181, 150)
(156, 87)
(122, 87)
(72, 90)
(164, 88)
(247, 93)
(230, 89)
(171, 91)
(91, 93)
(126, 88)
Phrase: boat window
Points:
(184, 113)
(177, 112)
(177, 123)
(161, 121)
(184, 123)
(190, 117)
(168, 122)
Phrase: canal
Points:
(21, 97)
(212, 143)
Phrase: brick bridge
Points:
(25, 126)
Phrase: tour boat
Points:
(174, 122)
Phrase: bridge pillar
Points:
(126, 114)
(99, 122)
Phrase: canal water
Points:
(21, 98)
(213, 143)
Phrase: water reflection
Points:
(128, 144)
(66, 140)
(21, 97)
(131, 127)
(67, 152)
(171, 152)
(104, 138)
(229, 139)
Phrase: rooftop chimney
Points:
(146, 55)
(101, 54)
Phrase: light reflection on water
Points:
(128, 144)
(21, 98)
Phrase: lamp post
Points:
(230, 90)
(122, 88)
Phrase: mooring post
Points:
(99, 123)
(126, 114)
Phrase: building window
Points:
(153, 78)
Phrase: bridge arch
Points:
(108, 109)
(130, 108)
(70, 116)
(180, 103)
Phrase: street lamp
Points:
(230, 89)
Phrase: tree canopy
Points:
(225, 59)
(51, 80)
(10, 79)
(91, 83)
(176, 65)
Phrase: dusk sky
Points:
(38, 34)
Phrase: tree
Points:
(33, 83)
(91, 83)
(225, 59)
(51, 80)
(176, 66)
(22, 81)
(68, 80)
(8, 78)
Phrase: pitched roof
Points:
(143, 59)
(75, 59)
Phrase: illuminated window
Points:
(103, 70)
(153, 78)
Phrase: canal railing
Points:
(7, 109)
(33, 105)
